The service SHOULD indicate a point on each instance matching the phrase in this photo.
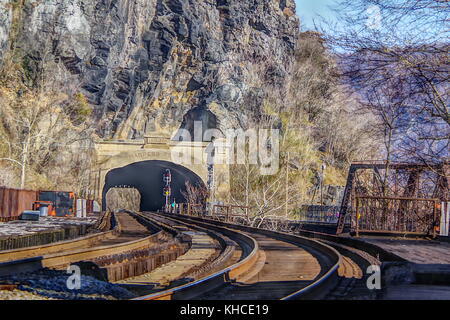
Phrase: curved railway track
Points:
(200, 259)
(271, 266)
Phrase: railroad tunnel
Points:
(204, 119)
(147, 178)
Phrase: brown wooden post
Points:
(88, 187)
(287, 189)
(189, 209)
(94, 191)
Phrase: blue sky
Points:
(307, 10)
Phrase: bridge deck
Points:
(414, 250)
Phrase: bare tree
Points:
(26, 134)
(391, 43)
(389, 104)
(318, 123)
(37, 128)
(267, 196)
(44, 120)
(323, 108)
(195, 194)
(7, 177)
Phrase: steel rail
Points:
(67, 257)
(317, 289)
(192, 289)
(228, 246)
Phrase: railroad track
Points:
(210, 251)
(205, 259)
(130, 247)
(271, 266)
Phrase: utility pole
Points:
(89, 185)
(211, 186)
(321, 183)
(98, 182)
(287, 185)
(211, 153)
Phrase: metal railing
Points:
(236, 213)
(228, 212)
(188, 209)
(396, 215)
(320, 214)
(219, 212)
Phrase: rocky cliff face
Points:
(151, 65)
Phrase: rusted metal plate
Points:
(90, 206)
(8, 287)
(14, 201)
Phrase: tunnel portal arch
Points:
(147, 178)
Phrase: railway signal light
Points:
(167, 177)
(167, 191)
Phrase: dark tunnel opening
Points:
(147, 178)
(205, 119)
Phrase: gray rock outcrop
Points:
(144, 64)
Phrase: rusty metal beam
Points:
(415, 170)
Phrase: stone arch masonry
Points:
(192, 155)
